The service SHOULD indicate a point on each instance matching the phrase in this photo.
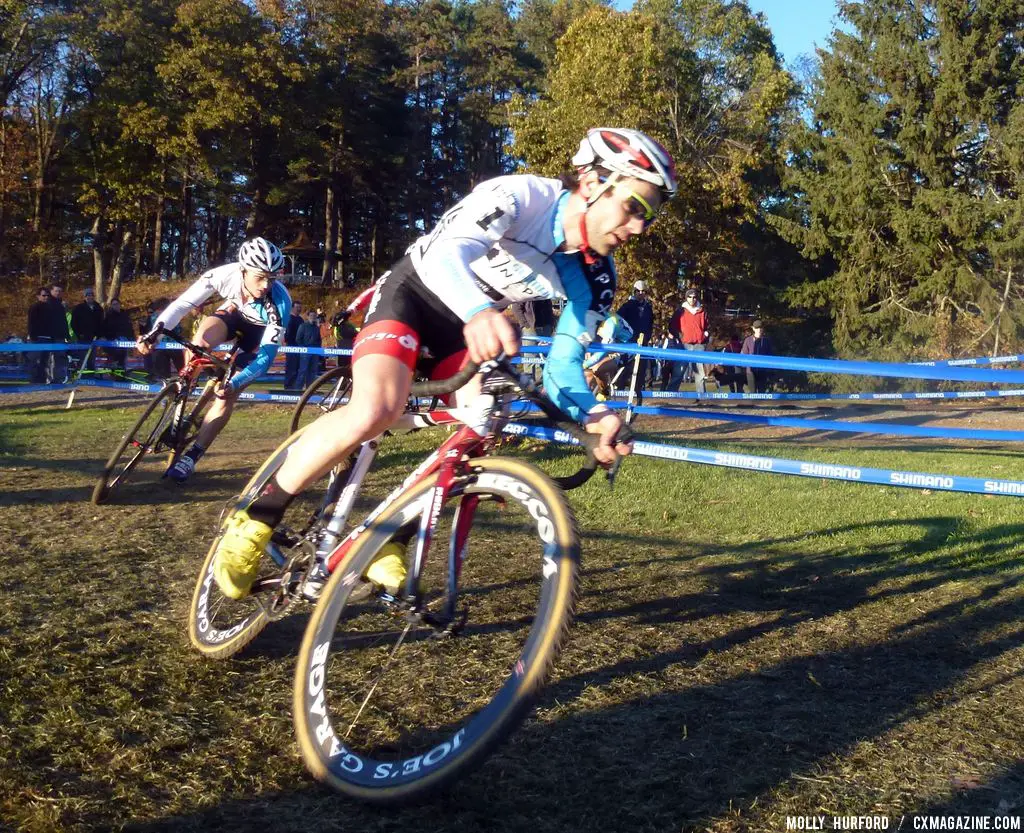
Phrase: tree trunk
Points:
(117, 274)
(184, 247)
(373, 254)
(158, 225)
(343, 227)
(330, 230)
(99, 239)
(142, 224)
(3, 188)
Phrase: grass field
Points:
(747, 647)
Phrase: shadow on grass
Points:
(686, 738)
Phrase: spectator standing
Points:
(543, 317)
(87, 323)
(308, 335)
(689, 326)
(638, 313)
(729, 375)
(163, 359)
(522, 312)
(757, 344)
(39, 333)
(117, 324)
(325, 336)
(59, 330)
(291, 360)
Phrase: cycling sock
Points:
(196, 452)
(270, 506)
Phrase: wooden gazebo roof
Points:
(303, 246)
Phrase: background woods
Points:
(881, 192)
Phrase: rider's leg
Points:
(213, 331)
(380, 390)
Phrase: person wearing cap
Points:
(87, 322)
(757, 344)
(639, 315)
(689, 326)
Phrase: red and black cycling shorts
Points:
(404, 316)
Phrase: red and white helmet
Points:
(261, 255)
(628, 153)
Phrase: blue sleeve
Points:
(267, 351)
(588, 300)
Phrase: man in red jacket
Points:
(689, 326)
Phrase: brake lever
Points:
(613, 470)
(624, 435)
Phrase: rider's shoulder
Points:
(219, 275)
(523, 191)
(279, 293)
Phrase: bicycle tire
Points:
(541, 619)
(222, 642)
(328, 385)
(106, 484)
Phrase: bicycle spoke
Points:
(380, 675)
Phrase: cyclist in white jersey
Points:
(514, 238)
(254, 312)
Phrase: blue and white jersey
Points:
(270, 312)
(505, 243)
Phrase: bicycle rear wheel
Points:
(324, 395)
(220, 627)
(391, 702)
(147, 436)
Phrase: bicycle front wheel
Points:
(394, 700)
(324, 395)
(147, 436)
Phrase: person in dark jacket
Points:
(638, 313)
(117, 324)
(87, 322)
(57, 317)
(291, 360)
(308, 335)
(757, 344)
(39, 333)
(729, 375)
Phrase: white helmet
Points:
(641, 286)
(628, 153)
(260, 254)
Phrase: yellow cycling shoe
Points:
(236, 562)
(388, 568)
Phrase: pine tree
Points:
(909, 176)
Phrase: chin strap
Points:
(589, 255)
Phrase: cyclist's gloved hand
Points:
(144, 343)
(224, 389)
(488, 334)
(607, 425)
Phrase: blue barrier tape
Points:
(800, 468)
(249, 396)
(806, 397)
(911, 371)
(32, 388)
(894, 429)
(980, 360)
